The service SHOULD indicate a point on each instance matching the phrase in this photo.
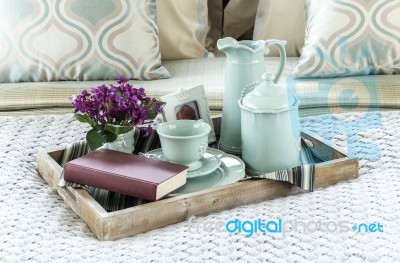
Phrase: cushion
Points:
(316, 95)
(239, 18)
(270, 25)
(215, 20)
(183, 28)
(78, 40)
(351, 37)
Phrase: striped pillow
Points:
(48, 40)
(350, 37)
(269, 24)
(183, 26)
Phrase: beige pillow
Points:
(284, 20)
(239, 18)
(182, 26)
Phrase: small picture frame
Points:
(189, 104)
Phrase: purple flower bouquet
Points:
(113, 110)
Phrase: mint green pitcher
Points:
(245, 64)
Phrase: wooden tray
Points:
(128, 222)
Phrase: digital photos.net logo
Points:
(282, 227)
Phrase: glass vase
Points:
(123, 143)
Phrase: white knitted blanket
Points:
(37, 226)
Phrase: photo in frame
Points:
(188, 104)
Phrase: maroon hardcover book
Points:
(126, 173)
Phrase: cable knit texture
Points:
(37, 226)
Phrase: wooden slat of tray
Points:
(139, 219)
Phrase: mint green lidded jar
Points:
(270, 127)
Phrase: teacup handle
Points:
(204, 145)
(203, 149)
(282, 53)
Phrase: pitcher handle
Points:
(282, 52)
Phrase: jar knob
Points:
(268, 76)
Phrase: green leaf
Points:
(117, 129)
(85, 119)
(97, 137)
(150, 109)
(119, 93)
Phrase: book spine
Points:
(110, 182)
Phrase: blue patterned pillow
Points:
(350, 37)
(47, 40)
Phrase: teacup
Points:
(184, 141)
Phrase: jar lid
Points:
(268, 96)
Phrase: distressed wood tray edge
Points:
(128, 222)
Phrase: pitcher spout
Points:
(226, 43)
(231, 45)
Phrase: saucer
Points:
(200, 183)
(230, 171)
(208, 163)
